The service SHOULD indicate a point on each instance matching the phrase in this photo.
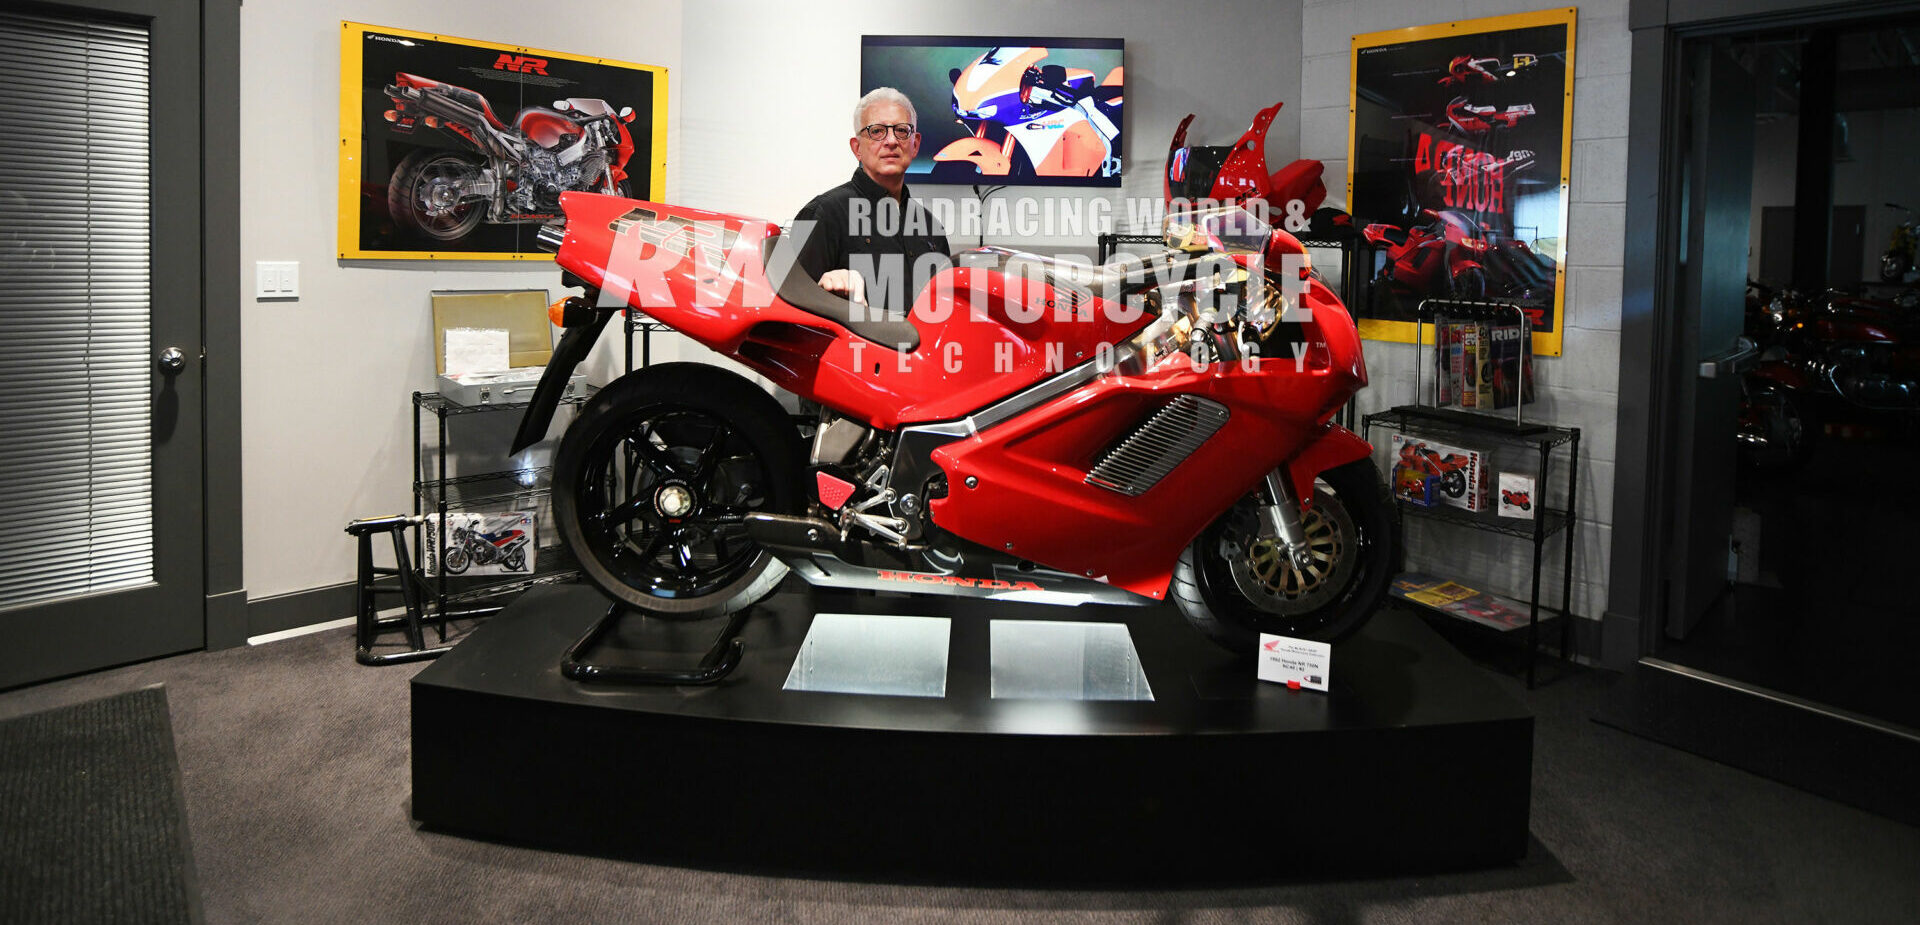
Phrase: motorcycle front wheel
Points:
(652, 482)
(1233, 585)
(424, 197)
(457, 559)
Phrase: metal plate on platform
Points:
(1048, 660)
(846, 653)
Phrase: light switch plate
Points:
(277, 280)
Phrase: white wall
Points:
(758, 102)
(770, 90)
(326, 417)
(1580, 388)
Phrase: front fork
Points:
(1280, 520)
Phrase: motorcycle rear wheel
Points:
(651, 482)
(415, 193)
(1233, 586)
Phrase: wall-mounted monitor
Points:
(1006, 110)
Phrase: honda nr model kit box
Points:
(495, 543)
(1460, 475)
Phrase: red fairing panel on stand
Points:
(701, 273)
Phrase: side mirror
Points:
(562, 106)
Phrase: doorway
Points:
(1817, 602)
(116, 277)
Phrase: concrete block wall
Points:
(1579, 388)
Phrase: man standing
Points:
(871, 241)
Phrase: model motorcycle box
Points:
(478, 543)
(1460, 474)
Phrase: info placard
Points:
(1301, 662)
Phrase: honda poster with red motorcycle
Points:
(1458, 167)
(456, 148)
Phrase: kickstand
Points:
(720, 660)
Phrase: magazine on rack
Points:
(1461, 601)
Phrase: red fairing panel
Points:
(1030, 488)
(708, 282)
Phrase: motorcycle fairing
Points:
(992, 159)
(1008, 332)
(468, 97)
(1030, 496)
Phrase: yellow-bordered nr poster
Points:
(1458, 165)
(454, 148)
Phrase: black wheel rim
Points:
(662, 501)
(438, 218)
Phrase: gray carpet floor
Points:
(295, 765)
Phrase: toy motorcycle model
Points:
(1035, 430)
(1029, 119)
(501, 173)
(468, 547)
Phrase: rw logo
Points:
(521, 64)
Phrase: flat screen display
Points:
(1005, 110)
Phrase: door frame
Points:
(220, 275)
(1650, 323)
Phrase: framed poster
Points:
(453, 148)
(1457, 167)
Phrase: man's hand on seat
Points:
(846, 283)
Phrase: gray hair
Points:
(882, 95)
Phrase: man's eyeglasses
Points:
(878, 132)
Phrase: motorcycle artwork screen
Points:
(456, 146)
(1019, 111)
(1458, 180)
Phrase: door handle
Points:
(172, 360)
(1733, 362)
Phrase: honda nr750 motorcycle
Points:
(1036, 430)
(503, 173)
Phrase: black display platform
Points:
(1415, 761)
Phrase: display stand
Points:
(1414, 761)
(437, 491)
(720, 660)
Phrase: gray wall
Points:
(1579, 388)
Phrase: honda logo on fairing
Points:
(521, 64)
(989, 584)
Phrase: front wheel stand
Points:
(720, 660)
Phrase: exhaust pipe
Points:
(551, 235)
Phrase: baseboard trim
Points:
(227, 619)
(283, 612)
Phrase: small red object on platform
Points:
(1293, 685)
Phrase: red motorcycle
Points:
(1443, 254)
(1035, 430)
(508, 173)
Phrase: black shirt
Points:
(859, 226)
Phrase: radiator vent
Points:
(1142, 458)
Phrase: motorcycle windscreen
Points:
(1191, 170)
